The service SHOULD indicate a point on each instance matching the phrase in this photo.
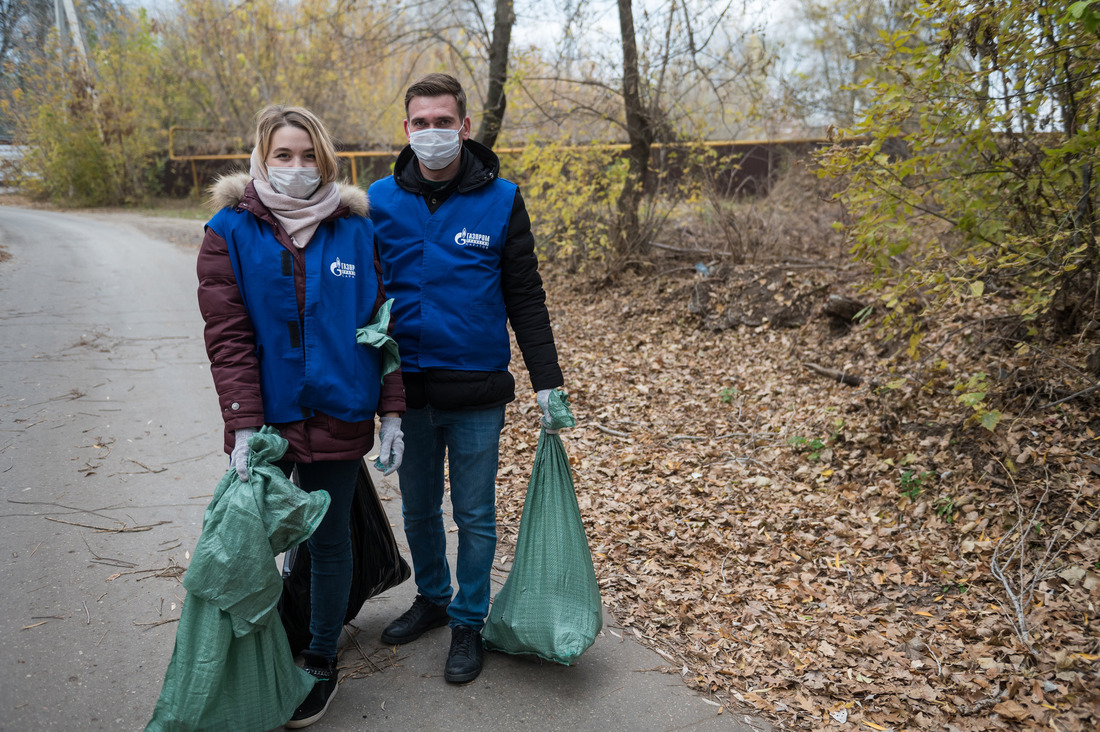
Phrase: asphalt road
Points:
(110, 447)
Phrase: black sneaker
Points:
(417, 620)
(464, 659)
(316, 704)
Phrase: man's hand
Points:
(391, 444)
(543, 398)
(239, 457)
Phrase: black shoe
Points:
(316, 704)
(417, 620)
(464, 659)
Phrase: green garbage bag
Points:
(376, 335)
(231, 667)
(550, 604)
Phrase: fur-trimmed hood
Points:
(229, 190)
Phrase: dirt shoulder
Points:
(184, 231)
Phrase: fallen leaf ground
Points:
(819, 553)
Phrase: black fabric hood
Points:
(480, 165)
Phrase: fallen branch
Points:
(1021, 567)
(841, 376)
(159, 622)
(173, 571)
(972, 709)
(147, 468)
(1089, 390)
(682, 250)
(121, 563)
(124, 529)
(612, 432)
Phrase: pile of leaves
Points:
(829, 555)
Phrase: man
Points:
(458, 258)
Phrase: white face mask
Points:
(294, 182)
(435, 148)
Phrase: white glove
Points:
(239, 457)
(543, 398)
(391, 446)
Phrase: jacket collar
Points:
(479, 166)
(235, 190)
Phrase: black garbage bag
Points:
(377, 564)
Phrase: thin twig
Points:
(612, 432)
(106, 560)
(841, 376)
(147, 468)
(1020, 590)
(159, 622)
(1089, 390)
(124, 529)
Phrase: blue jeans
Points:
(471, 442)
(329, 549)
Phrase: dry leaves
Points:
(816, 551)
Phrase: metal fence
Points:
(740, 167)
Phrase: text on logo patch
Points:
(340, 269)
(469, 239)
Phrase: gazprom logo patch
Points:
(340, 269)
(469, 239)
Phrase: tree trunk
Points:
(495, 101)
(629, 242)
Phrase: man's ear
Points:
(405, 124)
(464, 131)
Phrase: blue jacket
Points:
(443, 271)
(459, 261)
(313, 363)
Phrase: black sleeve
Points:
(525, 301)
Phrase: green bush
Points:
(977, 167)
(95, 133)
(570, 194)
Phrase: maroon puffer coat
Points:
(230, 341)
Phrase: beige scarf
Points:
(298, 217)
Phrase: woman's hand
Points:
(391, 446)
(239, 457)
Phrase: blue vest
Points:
(443, 271)
(313, 363)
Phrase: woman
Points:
(287, 274)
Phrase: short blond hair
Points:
(276, 116)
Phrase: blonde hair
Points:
(277, 116)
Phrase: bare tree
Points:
(639, 129)
(495, 100)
